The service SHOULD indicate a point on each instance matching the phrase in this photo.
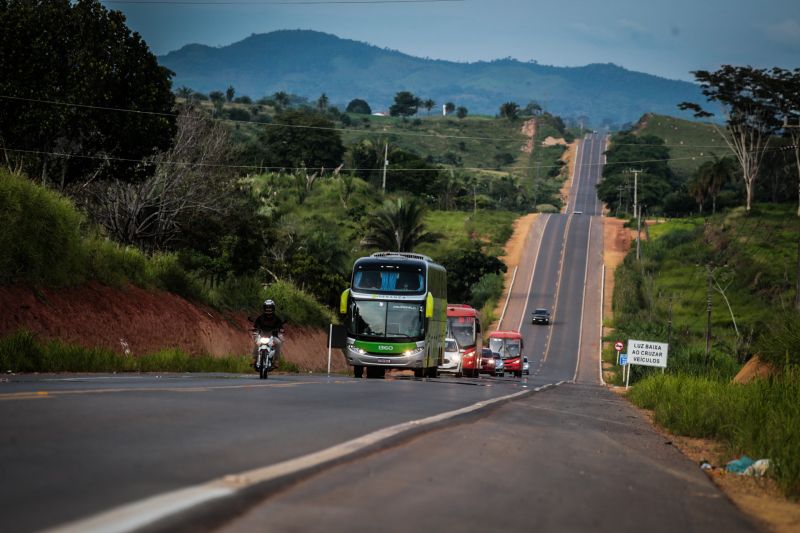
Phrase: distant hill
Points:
(309, 63)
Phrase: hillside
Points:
(309, 63)
(691, 143)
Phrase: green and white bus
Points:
(396, 310)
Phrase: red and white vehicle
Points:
(510, 346)
(463, 341)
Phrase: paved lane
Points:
(74, 447)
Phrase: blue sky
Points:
(666, 38)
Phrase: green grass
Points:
(690, 143)
(24, 352)
(753, 259)
(760, 419)
(493, 228)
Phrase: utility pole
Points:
(669, 324)
(385, 164)
(636, 209)
(708, 316)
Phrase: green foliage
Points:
(79, 52)
(489, 287)
(303, 139)
(780, 343)
(359, 106)
(654, 183)
(39, 234)
(469, 275)
(24, 352)
(405, 104)
(761, 419)
(398, 226)
(509, 110)
(297, 306)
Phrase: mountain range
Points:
(309, 63)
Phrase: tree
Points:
(398, 226)
(509, 110)
(359, 106)
(298, 139)
(322, 103)
(218, 99)
(786, 95)
(713, 175)
(428, 105)
(532, 109)
(750, 112)
(184, 92)
(281, 99)
(449, 107)
(461, 112)
(229, 93)
(465, 268)
(79, 53)
(405, 104)
(189, 183)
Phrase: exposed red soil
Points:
(143, 321)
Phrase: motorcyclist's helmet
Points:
(269, 307)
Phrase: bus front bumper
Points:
(356, 357)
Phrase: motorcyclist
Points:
(269, 322)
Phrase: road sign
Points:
(618, 346)
(648, 353)
(623, 359)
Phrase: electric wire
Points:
(325, 128)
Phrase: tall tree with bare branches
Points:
(746, 97)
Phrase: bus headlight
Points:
(416, 351)
(356, 349)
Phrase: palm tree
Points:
(714, 175)
(428, 104)
(398, 226)
(509, 110)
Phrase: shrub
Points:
(114, 265)
(489, 287)
(39, 234)
(167, 274)
(297, 306)
(546, 208)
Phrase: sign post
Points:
(645, 353)
(618, 347)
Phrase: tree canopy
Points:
(298, 138)
(359, 106)
(79, 53)
(405, 104)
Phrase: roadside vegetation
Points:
(226, 199)
(747, 267)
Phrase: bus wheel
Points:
(358, 371)
(375, 372)
(432, 371)
(419, 373)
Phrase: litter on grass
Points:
(745, 466)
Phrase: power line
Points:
(274, 3)
(325, 128)
(261, 167)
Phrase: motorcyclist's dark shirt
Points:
(271, 324)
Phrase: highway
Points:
(555, 451)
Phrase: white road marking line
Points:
(533, 272)
(583, 300)
(135, 515)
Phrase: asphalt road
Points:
(571, 457)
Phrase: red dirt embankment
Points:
(145, 321)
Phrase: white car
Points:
(452, 358)
(525, 366)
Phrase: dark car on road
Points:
(491, 363)
(540, 316)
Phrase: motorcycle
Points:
(266, 353)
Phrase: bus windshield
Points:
(462, 330)
(387, 320)
(392, 280)
(507, 348)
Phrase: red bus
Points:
(463, 341)
(509, 345)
